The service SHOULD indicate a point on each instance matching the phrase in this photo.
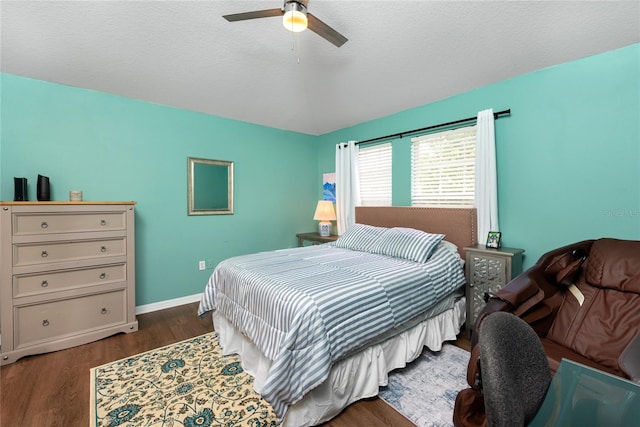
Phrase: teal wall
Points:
(568, 164)
(114, 148)
(568, 156)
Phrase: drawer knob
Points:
(103, 311)
(103, 249)
(103, 275)
(44, 224)
(103, 222)
(45, 322)
(44, 254)
(44, 284)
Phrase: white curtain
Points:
(486, 187)
(347, 185)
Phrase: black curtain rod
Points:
(441, 125)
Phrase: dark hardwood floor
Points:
(52, 389)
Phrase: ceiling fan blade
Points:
(253, 15)
(325, 31)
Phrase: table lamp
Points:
(324, 213)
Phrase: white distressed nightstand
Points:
(488, 270)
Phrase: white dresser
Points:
(67, 274)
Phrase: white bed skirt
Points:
(356, 377)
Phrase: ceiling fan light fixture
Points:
(295, 17)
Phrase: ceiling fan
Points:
(295, 19)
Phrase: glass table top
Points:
(582, 396)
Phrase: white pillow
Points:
(360, 237)
(407, 243)
(453, 248)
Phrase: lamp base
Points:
(324, 229)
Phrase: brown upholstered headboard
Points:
(458, 224)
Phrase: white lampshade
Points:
(324, 213)
(295, 17)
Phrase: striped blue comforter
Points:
(307, 307)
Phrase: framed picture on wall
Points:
(329, 187)
(494, 239)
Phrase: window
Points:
(374, 164)
(443, 168)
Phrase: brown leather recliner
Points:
(583, 301)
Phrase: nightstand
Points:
(314, 238)
(488, 270)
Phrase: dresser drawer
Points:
(49, 223)
(42, 253)
(30, 284)
(53, 320)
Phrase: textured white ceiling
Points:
(400, 54)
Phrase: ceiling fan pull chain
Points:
(295, 45)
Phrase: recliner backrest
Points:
(613, 264)
(596, 312)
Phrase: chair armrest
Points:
(629, 360)
(509, 298)
(518, 291)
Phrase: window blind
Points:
(375, 174)
(443, 168)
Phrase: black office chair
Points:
(514, 370)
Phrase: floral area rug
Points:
(425, 391)
(185, 384)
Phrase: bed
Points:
(320, 327)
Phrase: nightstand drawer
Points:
(50, 281)
(25, 224)
(488, 270)
(43, 253)
(49, 321)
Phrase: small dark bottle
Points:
(43, 193)
(20, 185)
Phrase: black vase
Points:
(20, 194)
(43, 193)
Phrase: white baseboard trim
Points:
(148, 308)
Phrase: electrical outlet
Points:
(210, 264)
(202, 265)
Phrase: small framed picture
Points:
(493, 239)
